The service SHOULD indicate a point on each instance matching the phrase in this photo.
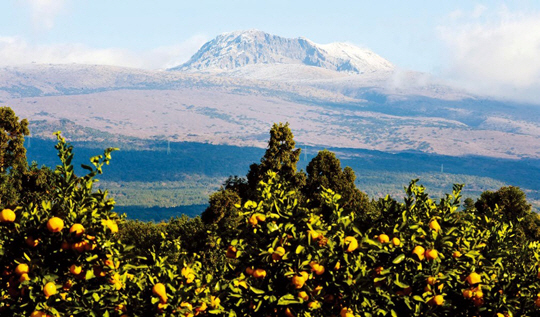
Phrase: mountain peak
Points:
(237, 49)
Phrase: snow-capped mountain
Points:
(234, 50)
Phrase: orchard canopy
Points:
(279, 242)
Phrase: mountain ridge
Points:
(236, 49)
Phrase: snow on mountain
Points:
(234, 50)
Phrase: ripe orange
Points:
(431, 254)
(253, 220)
(456, 254)
(24, 277)
(537, 302)
(298, 281)
(79, 246)
(249, 271)
(37, 313)
(317, 268)
(78, 229)
(346, 312)
(49, 289)
(231, 252)
(304, 296)
(351, 243)
(314, 305)
(278, 253)
(438, 300)
(260, 217)
(434, 225)
(288, 312)
(305, 275)
(75, 269)
(259, 273)
(55, 224)
(7, 215)
(431, 280)
(419, 251)
(467, 293)
(396, 241)
(21, 269)
(474, 278)
(160, 291)
(383, 238)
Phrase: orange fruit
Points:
(278, 253)
(305, 275)
(7, 215)
(75, 270)
(314, 305)
(79, 246)
(419, 251)
(346, 312)
(467, 293)
(24, 277)
(313, 234)
(438, 300)
(259, 273)
(317, 268)
(78, 229)
(288, 312)
(431, 280)
(260, 217)
(537, 302)
(231, 252)
(22, 269)
(55, 224)
(298, 281)
(351, 243)
(37, 313)
(474, 278)
(383, 238)
(456, 254)
(253, 220)
(249, 271)
(431, 254)
(49, 289)
(434, 225)
(396, 241)
(304, 296)
(160, 291)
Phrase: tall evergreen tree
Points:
(13, 162)
(281, 156)
(324, 171)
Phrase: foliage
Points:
(276, 244)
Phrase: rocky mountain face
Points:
(234, 50)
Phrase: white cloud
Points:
(44, 12)
(494, 52)
(17, 51)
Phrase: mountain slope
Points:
(241, 48)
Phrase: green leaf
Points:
(398, 259)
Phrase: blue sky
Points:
(484, 45)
